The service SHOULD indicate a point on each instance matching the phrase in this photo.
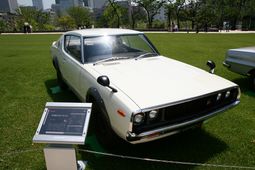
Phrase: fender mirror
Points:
(104, 81)
(211, 65)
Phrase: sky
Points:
(46, 3)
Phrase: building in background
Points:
(38, 4)
(62, 5)
(99, 4)
(161, 16)
(8, 6)
(89, 3)
(98, 7)
(65, 4)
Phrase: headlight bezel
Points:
(142, 118)
(153, 114)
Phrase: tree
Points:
(2, 26)
(115, 15)
(220, 13)
(191, 10)
(37, 18)
(178, 6)
(206, 13)
(66, 22)
(115, 10)
(26, 14)
(42, 19)
(248, 14)
(137, 14)
(169, 12)
(80, 15)
(151, 7)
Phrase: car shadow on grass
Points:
(195, 145)
(245, 84)
(59, 95)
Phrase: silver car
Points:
(241, 61)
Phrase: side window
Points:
(73, 46)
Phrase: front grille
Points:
(187, 111)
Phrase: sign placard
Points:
(63, 123)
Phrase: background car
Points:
(137, 94)
(241, 61)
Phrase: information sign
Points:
(63, 123)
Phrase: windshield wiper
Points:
(110, 59)
(145, 54)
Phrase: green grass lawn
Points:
(27, 76)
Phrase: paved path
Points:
(158, 32)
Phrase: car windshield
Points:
(117, 47)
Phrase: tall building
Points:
(94, 5)
(89, 3)
(8, 6)
(99, 4)
(38, 4)
(65, 4)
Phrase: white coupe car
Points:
(137, 93)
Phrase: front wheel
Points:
(105, 134)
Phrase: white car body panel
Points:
(160, 77)
(119, 124)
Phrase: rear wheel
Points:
(61, 82)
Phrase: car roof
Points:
(103, 31)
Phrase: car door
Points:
(72, 61)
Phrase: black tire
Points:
(61, 82)
(105, 135)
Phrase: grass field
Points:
(27, 76)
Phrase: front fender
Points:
(94, 97)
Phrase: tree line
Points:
(186, 14)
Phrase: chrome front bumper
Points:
(169, 130)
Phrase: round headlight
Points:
(153, 114)
(218, 96)
(227, 94)
(138, 118)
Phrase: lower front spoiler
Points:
(173, 129)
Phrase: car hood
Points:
(159, 80)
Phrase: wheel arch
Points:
(55, 63)
(94, 97)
